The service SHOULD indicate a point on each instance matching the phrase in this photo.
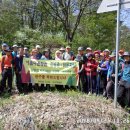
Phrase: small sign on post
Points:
(115, 5)
(112, 5)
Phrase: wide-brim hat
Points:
(68, 47)
(15, 46)
(106, 50)
(126, 54)
(113, 54)
(46, 50)
(62, 49)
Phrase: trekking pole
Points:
(91, 81)
(98, 83)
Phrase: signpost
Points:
(115, 5)
(112, 5)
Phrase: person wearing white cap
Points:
(26, 53)
(88, 50)
(39, 54)
(62, 50)
(68, 54)
(107, 53)
(15, 50)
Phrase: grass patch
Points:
(5, 99)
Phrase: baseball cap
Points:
(62, 49)
(68, 47)
(106, 50)
(4, 44)
(38, 46)
(88, 48)
(9, 49)
(80, 49)
(25, 48)
(14, 46)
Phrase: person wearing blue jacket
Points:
(19, 63)
(123, 94)
(102, 70)
(111, 77)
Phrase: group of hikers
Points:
(96, 69)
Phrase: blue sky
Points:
(125, 16)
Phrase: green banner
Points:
(50, 72)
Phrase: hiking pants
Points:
(18, 81)
(6, 76)
(110, 89)
(91, 83)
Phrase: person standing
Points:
(39, 54)
(18, 69)
(123, 92)
(111, 77)
(102, 70)
(34, 54)
(97, 60)
(81, 58)
(106, 54)
(26, 53)
(68, 54)
(46, 55)
(58, 55)
(88, 50)
(62, 50)
(7, 66)
(15, 50)
(91, 72)
(4, 47)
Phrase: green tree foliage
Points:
(31, 37)
(125, 38)
(56, 23)
(9, 21)
(97, 31)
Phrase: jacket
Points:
(125, 75)
(92, 68)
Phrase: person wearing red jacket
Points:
(90, 72)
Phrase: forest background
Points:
(56, 23)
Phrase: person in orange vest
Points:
(7, 65)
